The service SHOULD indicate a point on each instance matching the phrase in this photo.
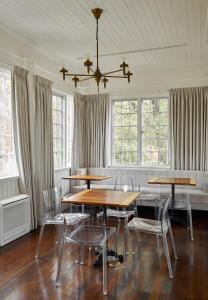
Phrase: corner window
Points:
(61, 131)
(140, 132)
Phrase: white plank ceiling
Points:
(158, 32)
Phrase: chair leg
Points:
(39, 240)
(155, 209)
(117, 234)
(105, 278)
(82, 255)
(191, 224)
(172, 241)
(125, 252)
(60, 262)
(77, 254)
(165, 243)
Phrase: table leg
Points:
(173, 195)
(110, 253)
(88, 184)
(104, 216)
(174, 218)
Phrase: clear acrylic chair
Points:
(52, 213)
(182, 202)
(87, 235)
(156, 227)
(146, 198)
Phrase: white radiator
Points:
(14, 218)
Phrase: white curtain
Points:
(21, 125)
(44, 170)
(91, 130)
(189, 128)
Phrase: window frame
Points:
(139, 132)
(64, 124)
(8, 69)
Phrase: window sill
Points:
(6, 178)
(139, 167)
(62, 169)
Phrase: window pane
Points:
(118, 120)
(7, 152)
(57, 116)
(133, 106)
(133, 157)
(155, 132)
(58, 131)
(125, 145)
(126, 158)
(125, 120)
(57, 145)
(133, 132)
(117, 132)
(125, 132)
(125, 106)
(118, 145)
(57, 159)
(133, 119)
(118, 107)
(69, 131)
(133, 145)
(62, 131)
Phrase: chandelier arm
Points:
(88, 75)
(112, 72)
(111, 76)
(84, 79)
(96, 74)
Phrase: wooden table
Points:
(103, 198)
(173, 181)
(88, 178)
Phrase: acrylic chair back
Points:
(164, 216)
(124, 183)
(52, 202)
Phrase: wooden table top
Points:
(87, 177)
(103, 198)
(172, 180)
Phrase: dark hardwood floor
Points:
(22, 277)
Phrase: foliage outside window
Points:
(61, 131)
(140, 132)
(7, 151)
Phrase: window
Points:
(154, 132)
(7, 151)
(140, 132)
(125, 132)
(61, 131)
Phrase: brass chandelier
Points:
(96, 74)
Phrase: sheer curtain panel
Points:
(189, 128)
(44, 169)
(21, 125)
